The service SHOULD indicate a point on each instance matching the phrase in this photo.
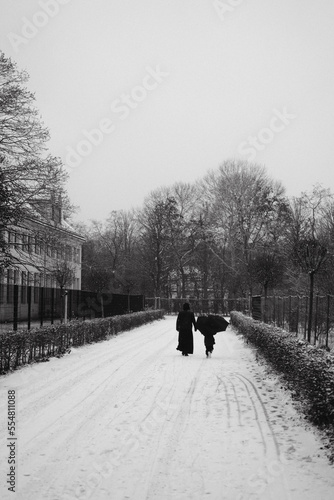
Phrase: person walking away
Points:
(209, 326)
(184, 324)
(209, 342)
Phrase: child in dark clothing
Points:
(209, 342)
(209, 326)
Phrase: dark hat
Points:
(186, 306)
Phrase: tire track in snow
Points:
(167, 441)
(160, 435)
(265, 413)
(236, 399)
(227, 399)
(263, 440)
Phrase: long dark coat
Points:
(184, 323)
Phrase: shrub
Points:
(309, 370)
(25, 346)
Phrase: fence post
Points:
(41, 305)
(274, 310)
(265, 314)
(316, 318)
(306, 314)
(52, 304)
(65, 307)
(70, 304)
(29, 306)
(16, 303)
(279, 323)
(327, 320)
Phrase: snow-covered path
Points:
(130, 418)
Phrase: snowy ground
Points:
(131, 418)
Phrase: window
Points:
(16, 277)
(17, 241)
(36, 279)
(37, 246)
(10, 276)
(24, 278)
(68, 253)
(11, 239)
(30, 243)
(77, 255)
(25, 245)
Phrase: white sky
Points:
(230, 73)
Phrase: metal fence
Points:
(200, 306)
(28, 306)
(292, 314)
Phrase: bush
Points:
(309, 370)
(25, 346)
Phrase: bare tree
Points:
(63, 273)
(246, 206)
(110, 253)
(27, 173)
(309, 238)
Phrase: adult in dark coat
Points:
(184, 324)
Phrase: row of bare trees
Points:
(31, 179)
(233, 233)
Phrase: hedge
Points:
(26, 346)
(309, 370)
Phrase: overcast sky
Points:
(139, 94)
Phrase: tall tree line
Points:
(232, 233)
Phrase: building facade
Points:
(45, 250)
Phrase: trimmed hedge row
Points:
(25, 346)
(309, 370)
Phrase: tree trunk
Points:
(310, 312)
(265, 315)
(183, 282)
